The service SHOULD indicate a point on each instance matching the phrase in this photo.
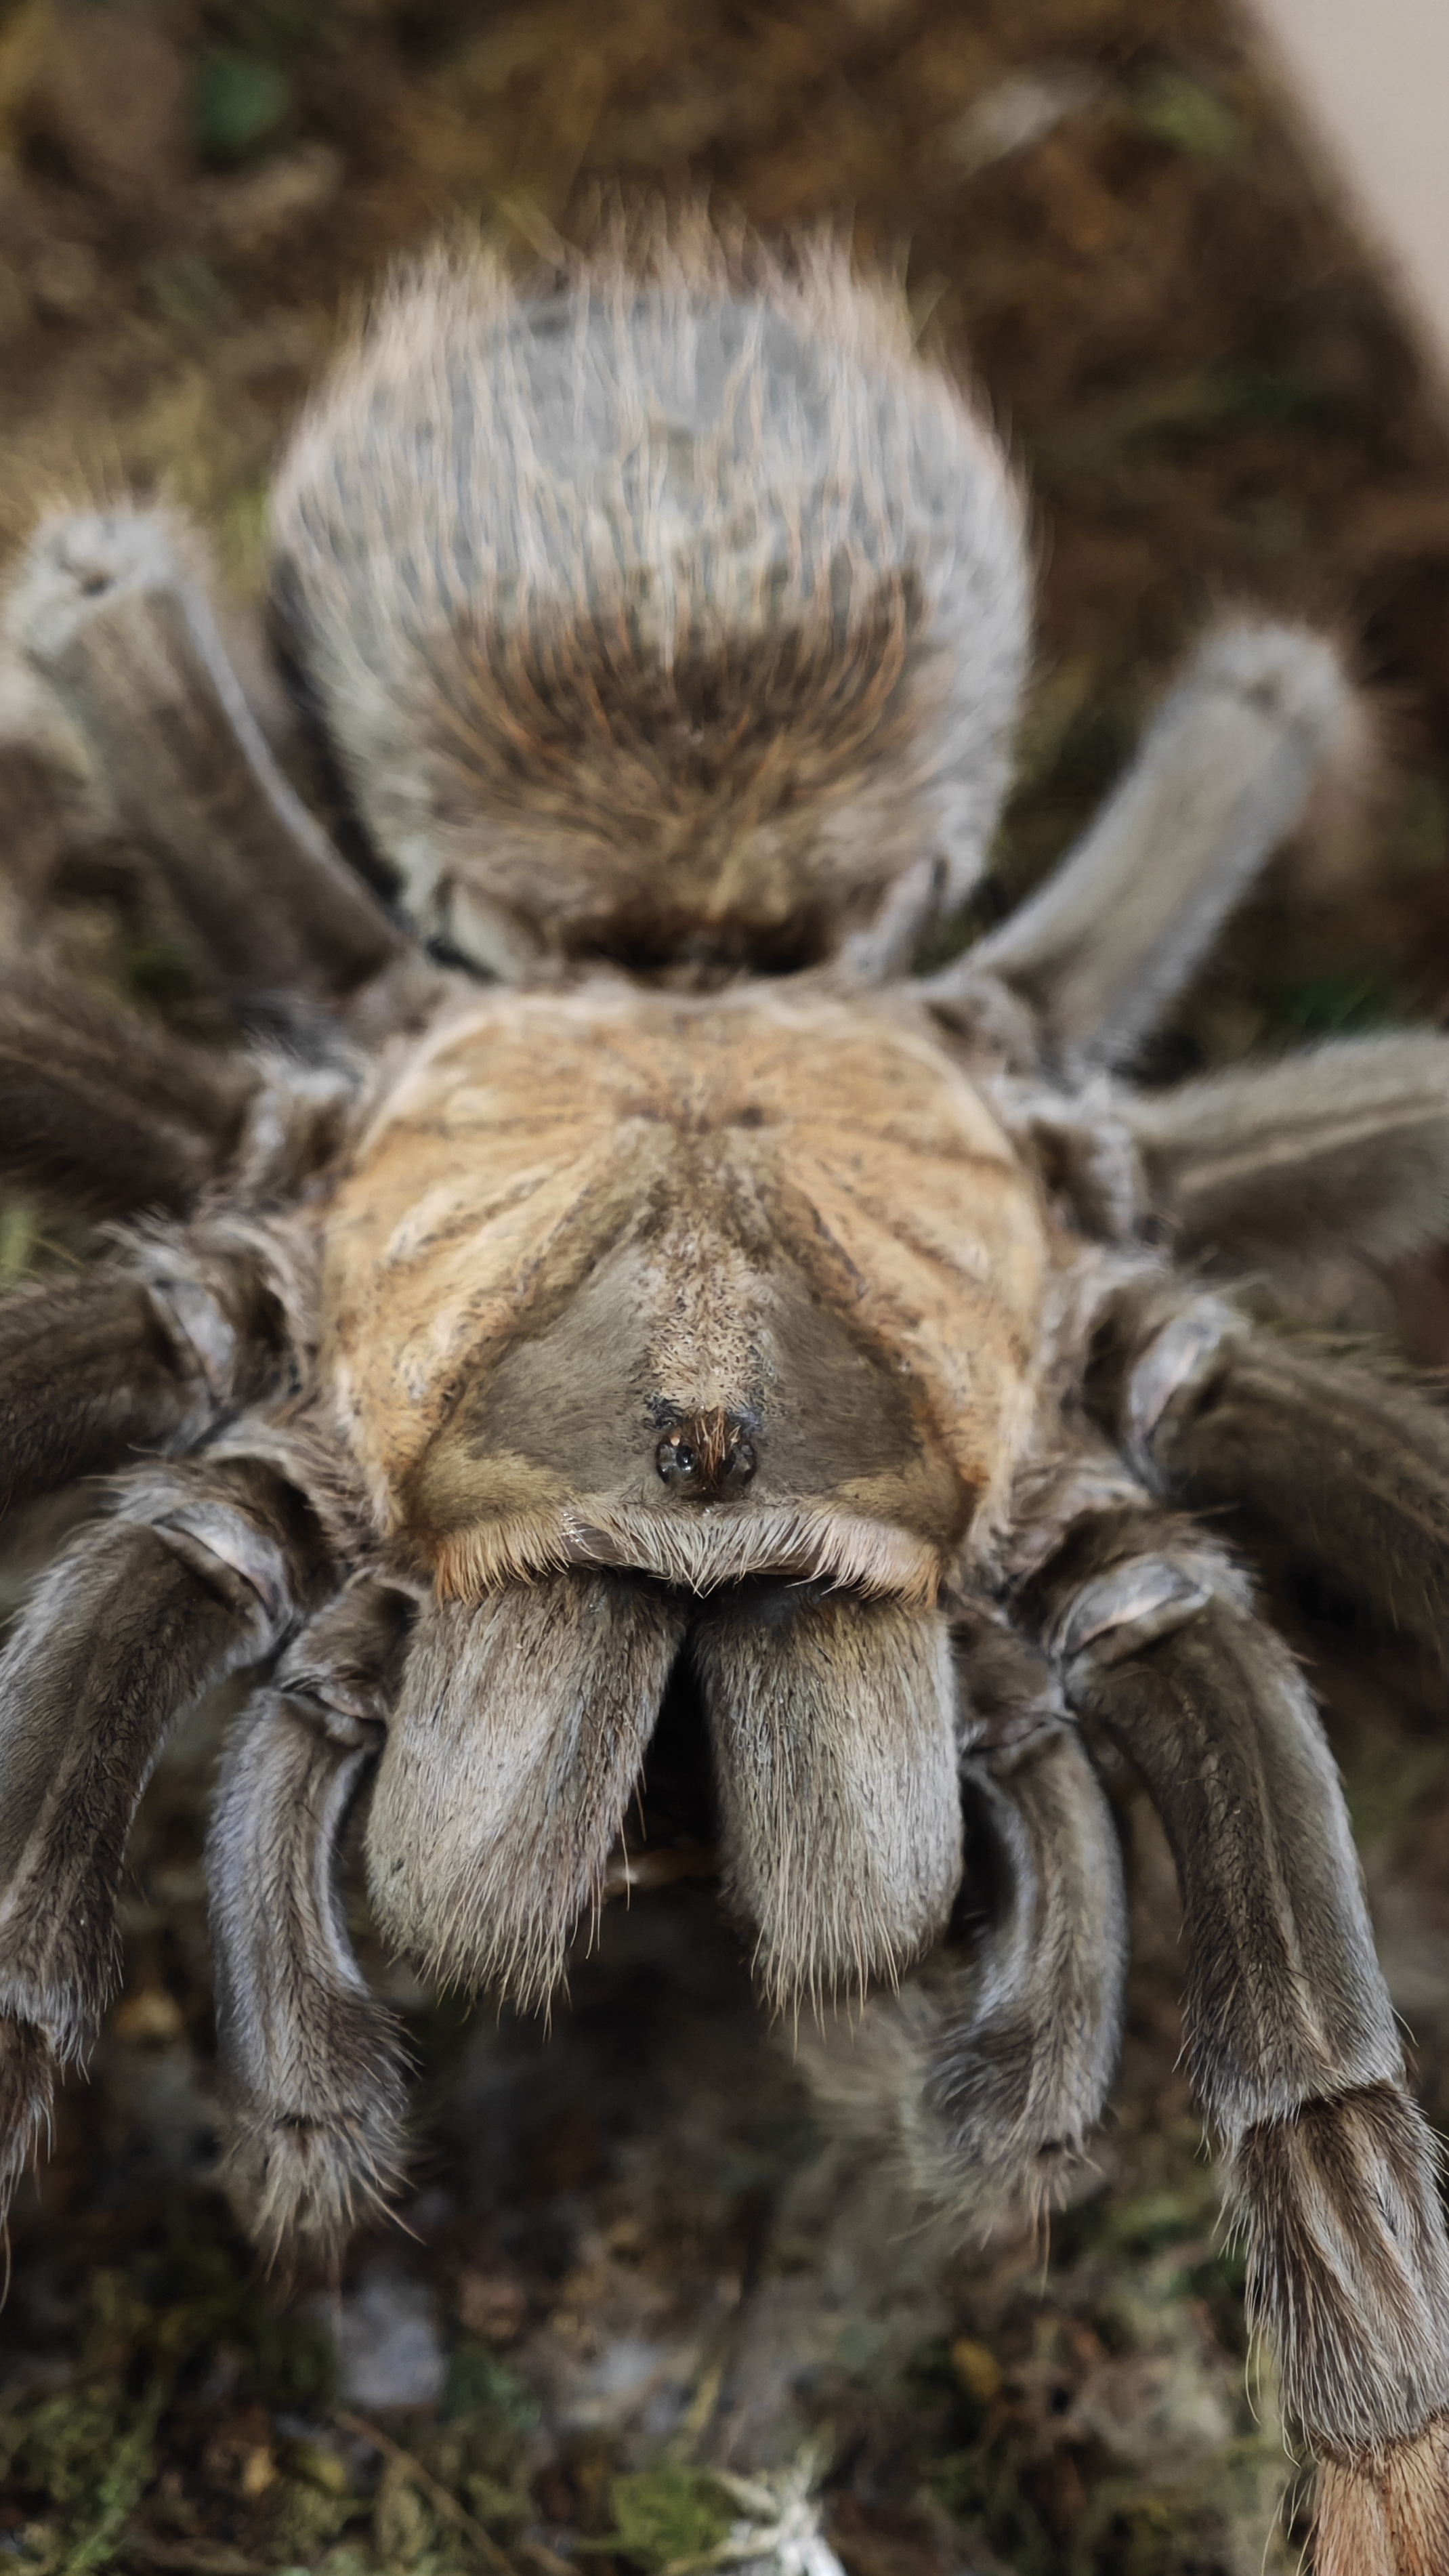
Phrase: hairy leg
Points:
(312, 2080)
(90, 1371)
(111, 620)
(1028, 2043)
(120, 1118)
(204, 1571)
(1223, 774)
(1290, 2031)
(833, 1721)
(1351, 1467)
(1342, 1147)
(94, 1368)
(106, 1111)
(990, 2069)
(520, 1733)
(887, 948)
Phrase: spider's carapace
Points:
(580, 1221)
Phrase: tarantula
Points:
(654, 1288)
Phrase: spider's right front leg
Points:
(1291, 2034)
(206, 1570)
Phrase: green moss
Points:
(483, 2388)
(1150, 2220)
(503, 2506)
(987, 2486)
(666, 2514)
(89, 2450)
(305, 2516)
(65, 2447)
(1365, 995)
(402, 2527)
(156, 971)
(1182, 110)
(19, 1234)
(84, 2456)
(242, 103)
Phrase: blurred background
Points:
(634, 2256)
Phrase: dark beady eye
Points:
(677, 1461)
(708, 1456)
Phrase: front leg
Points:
(1030, 2020)
(1332, 2170)
(311, 2062)
(206, 1571)
(145, 1356)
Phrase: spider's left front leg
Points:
(207, 1568)
(1290, 2031)
(312, 2082)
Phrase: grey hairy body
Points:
(710, 1314)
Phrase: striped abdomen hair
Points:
(669, 605)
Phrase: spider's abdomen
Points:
(671, 609)
(705, 1287)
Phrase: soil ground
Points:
(633, 2256)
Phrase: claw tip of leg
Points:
(1386, 2513)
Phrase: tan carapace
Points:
(707, 1287)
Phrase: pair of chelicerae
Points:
(669, 1295)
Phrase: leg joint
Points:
(1103, 1621)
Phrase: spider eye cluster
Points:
(706, 1458)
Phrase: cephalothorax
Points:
(706, 1305)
